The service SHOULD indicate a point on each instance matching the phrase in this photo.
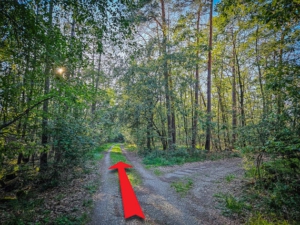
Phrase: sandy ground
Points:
(160, 202)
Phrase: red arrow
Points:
(131, 205)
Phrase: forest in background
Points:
(180, 79)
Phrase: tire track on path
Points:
(160, 204)
(108, 208)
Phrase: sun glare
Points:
(60, 70)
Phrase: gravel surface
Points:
(159, 201)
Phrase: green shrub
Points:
(232, 204)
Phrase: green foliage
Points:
(259, 220)
(180, 156)
(232, 205)
(182, 187)
(88, 203)
(92, 187)
(71, 141)
(25, 207)
(97, 153)
(275, 148)
(131, 147)
(68, 220)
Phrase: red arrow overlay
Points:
(131, 205)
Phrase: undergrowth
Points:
(97, 153)
(27, 205)
(183, 186)
(232, 206)
(181, 156)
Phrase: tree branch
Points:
(23, 113)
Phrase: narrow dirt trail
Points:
(108, 207)
(159, 201)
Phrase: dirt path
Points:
(108, 207)
(159, 201)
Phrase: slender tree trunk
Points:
(96, 85)
(241, 87)
(173, 118)
(260, 73)
(196, 104)
(279, 95)
(166, 76)
(234, 105)
(23, 103)
(43, 156)
(208, 129)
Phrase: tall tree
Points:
(43, 156)
(208, 123)
(196, 104)
(166, 72)
(234, 105)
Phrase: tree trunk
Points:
(260, 73)
(43, 156)
(234, 115)
(96, 85)
(196, 104)
(208, 129)
(241, 87)
(166, 76)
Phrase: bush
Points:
(275, 146)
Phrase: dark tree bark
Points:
(208, 129)
(242, 91)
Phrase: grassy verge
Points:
(97, 153)
(117, 156)
(250, 208)
(232, 206)
(130, 147)
(181, 156)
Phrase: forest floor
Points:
(181, 194)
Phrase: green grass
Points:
(231, 205)
(182, 187)
(157, 172)
(229, 177)
(259, 220)
(116, 155)
(26, 210)
(97, 153)
(68, 220)
(91, 187)
(181, 156)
